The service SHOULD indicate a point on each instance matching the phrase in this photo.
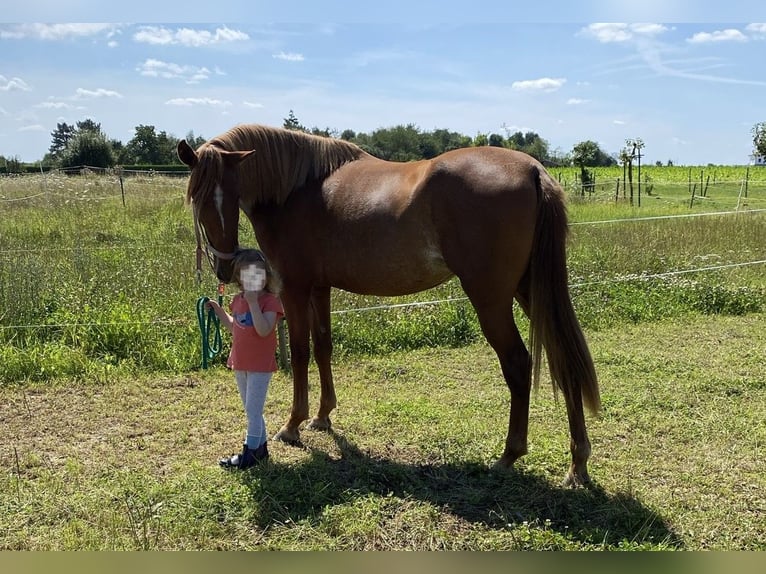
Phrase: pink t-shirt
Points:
(250, 351)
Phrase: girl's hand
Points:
(212, 305)
(252, 299)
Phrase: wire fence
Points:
(415, 304)
(178, 186)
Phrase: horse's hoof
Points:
(576, 480)
(320, 424)
(503, 465)
(287, 435)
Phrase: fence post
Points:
(122, 188)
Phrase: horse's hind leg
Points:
(321, 334)
(502, 334)
(579, 445)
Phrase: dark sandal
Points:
(246, 459)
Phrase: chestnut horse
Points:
(327, 214)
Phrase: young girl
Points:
(255, 311)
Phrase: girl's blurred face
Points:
(252, 277)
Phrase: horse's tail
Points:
(553, 323)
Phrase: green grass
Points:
(131, 463)
(90, 287)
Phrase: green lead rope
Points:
(209, 324)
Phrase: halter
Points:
(208, 249)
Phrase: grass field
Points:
(678, 456)
(111, 431)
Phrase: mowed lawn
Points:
(679, 455)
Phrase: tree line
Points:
(85, 144)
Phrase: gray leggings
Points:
(252, 391)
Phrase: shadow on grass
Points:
(468, 490)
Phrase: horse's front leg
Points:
(296, 312)
(322, 337)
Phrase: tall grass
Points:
(90, 286)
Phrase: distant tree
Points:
(496, 140)
(589, 154)
(348, 135)
(559, 158)
(118, 148)
(447, 140)
(167, 148)
(516, 141)
(88, 148)
(537, 148)
(11, 164)
(400, 143)
(60, 138)
(585, 154)
(759, 139)
(64, 134)
(292, 123)
(531, 143)
(428, 145)
(145, 147)
(324, 132)
(194, 141)
(480, 140)
(88, 125)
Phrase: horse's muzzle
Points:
(224, 270)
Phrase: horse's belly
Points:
(401, 274)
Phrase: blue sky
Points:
(691, 91)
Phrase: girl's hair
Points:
(255, 256)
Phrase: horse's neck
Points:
(266, 221)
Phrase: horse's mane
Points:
(284, 160)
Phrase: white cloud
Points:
(620, 32)
(82, 94)
(32, 128)
(55, 31)
(198, 102)
(539, 85)
(252, 104)
(576, 101)
(162, 36)
(55, 106)
(158, 69)
(13, 84)
(619, 122)
(758, 29)
(652, 52)
(289, 57)
(728, 35)
(648, 29)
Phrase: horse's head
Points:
(214, 194)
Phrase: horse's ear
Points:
(234, 158)
(186, 154)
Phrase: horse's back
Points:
(390, 228)
(489, 169)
